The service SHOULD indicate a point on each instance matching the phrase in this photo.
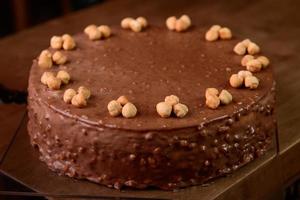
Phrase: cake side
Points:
(167, 160)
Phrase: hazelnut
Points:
(59, 58)
(68, 42)
(92, 32)
(180, 26)
(264, 61)
(236, 81)
(212, 101)
(56, 42)
(45, 59)
(79, 101)
(122, 100)
(164, 109)
(53, 83)
(171, 22)
(253, 48)
(225, 97)
(251, 82)
(89, 28)
(180, 110)
(45, 77)
(246, 42)
(105, 31)
(129, 110)
(142, 21)
(135, 26)
(240, 48)
(68, 95)
(186, 19)
(125, 23)
(215, 27)
(63, 76)
(225, 33)
(211, 91)
(172, 100)
(114, 108)
(254, 65)
(245, 59)
(244, 73)
(84, 91)
(211, 35)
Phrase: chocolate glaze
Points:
(148, 150)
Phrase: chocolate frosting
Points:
(146, 67)
(149, 150)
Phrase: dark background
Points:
(16, 15)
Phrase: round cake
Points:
(148, 150)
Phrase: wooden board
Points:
(11, 116)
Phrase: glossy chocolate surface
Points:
(148, 150)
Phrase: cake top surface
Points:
(146, 67)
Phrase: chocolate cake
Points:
(148, 150)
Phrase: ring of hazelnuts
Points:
(171, 104)
(122, 106)
(178, 25)
(216, 31)
(79, 98)
(136, 25)
(214, 98)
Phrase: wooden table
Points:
(272, 23)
